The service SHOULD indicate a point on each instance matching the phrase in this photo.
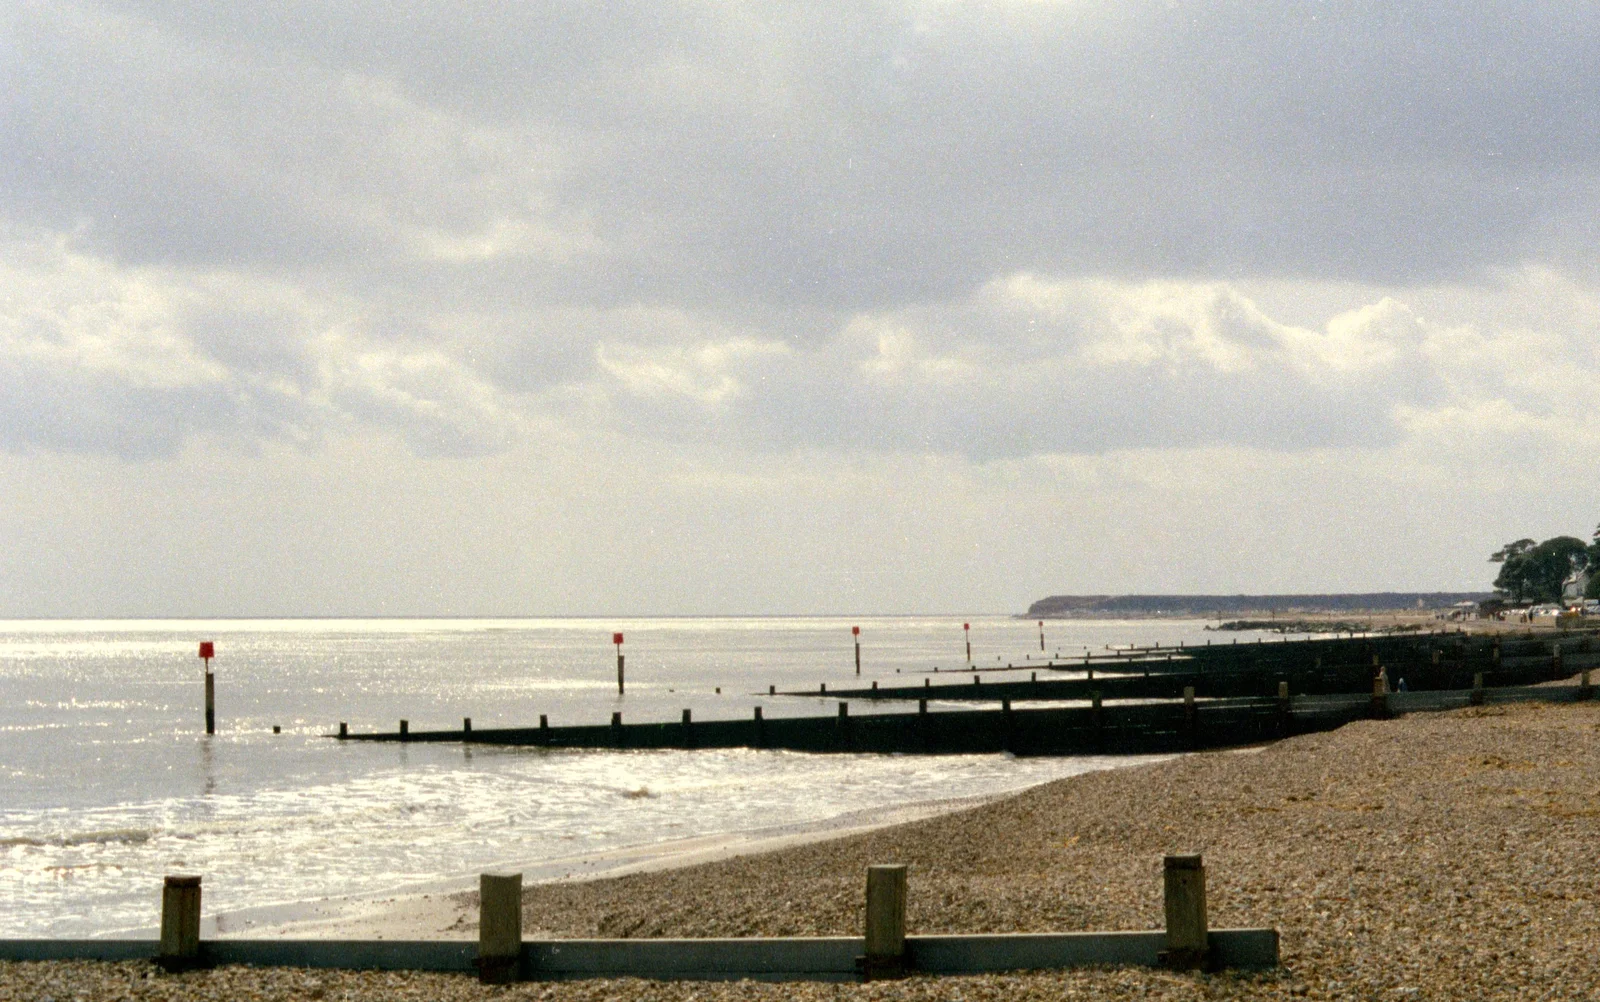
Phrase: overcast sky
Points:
(672, 307)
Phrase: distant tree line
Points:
(1536, 572)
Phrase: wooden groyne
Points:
(1310, 667)
(1115, 729)
(1203, 701)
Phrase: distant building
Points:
(1574, 586)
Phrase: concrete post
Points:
(886, 923)
(180, 923)
(499, 927)
(1187, 936)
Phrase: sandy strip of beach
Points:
(1437, 856)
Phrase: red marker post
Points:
(966, 629)
(208, 650)
(616, 638)
(855, 631)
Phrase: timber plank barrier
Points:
(1312, 667)
(1155, 727)
(884, 950)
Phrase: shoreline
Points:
(445, 907)
(1433, 856)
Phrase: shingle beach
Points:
(1437, 856)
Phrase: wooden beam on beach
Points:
(884, 953)
(499, 928)
(180, 923)
(1188, 939)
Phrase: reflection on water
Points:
(107, 780)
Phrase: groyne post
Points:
(688, 729)
(616, 638)
(1380, 695)
(1184, 877)
(180, 923)
(499, 927)
(466, 725)
(344, 729)
(208, 650)
(1585, 691)
(855, 631)
(405, 727)
(1476, 699)
(1191, 730)
(761, 729)
(1555, 661)
(1284, 715)
(886, 923)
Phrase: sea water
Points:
(108, 780)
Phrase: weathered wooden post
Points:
(772, 690)
(1283, 709)
(466, 725)
(1188, 939)
(1191, 723)
(180, 923)
(616, 729)
(499, 928)
(1585, 691)
(1476, 699)
(208, 650)
(1041, 634)
(616, 638)
(1380, 695)
(885, 953)
(966, 630)
(1555, 661)
(344, 729)
(405, 728)
(761, 729)
(855, 631)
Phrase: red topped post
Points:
(855, 631)
(616, 638)
(966, 629)
(208, 650)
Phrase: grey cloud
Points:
(859, 157)
(693, 220)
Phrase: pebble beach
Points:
(1435, 856)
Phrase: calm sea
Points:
(108, 781)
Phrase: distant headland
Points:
(1071, 606)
